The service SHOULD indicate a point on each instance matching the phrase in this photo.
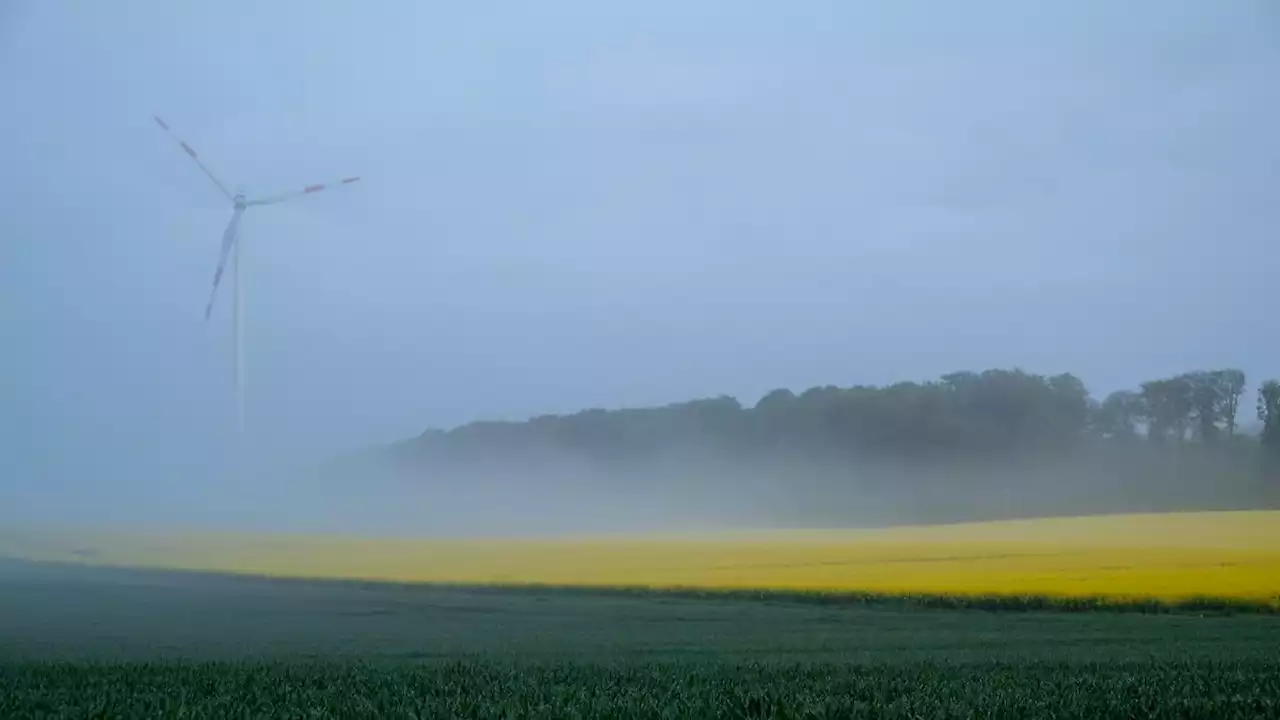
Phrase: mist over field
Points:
(994, 445)
(1000, 444)
(797, 255)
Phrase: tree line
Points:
(990, 414)
(967, 445)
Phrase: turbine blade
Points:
(192, 153)
(271, 200)
(228, 241)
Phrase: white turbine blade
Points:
(299, 193)
(228, 241)
(189, 151)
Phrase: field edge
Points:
(989, 602)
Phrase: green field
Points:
(78, 642)
(646, 690)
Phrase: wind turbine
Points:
(231, 242)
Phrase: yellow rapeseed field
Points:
(1165, 556)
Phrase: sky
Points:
(575, 204)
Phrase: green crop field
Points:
(646, 690)
(79, 642)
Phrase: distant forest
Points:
(968, 445)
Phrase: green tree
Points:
(1118, 415)
(1208, 400)
(1232, 383)
(1069, 405)
(1168, 405)
(1215, 401)
(1269, 414)
(964, 427)
(780, 400)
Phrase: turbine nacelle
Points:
(240, 201)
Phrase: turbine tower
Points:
(231, 243)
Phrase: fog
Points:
(575, 205)
(566, 496)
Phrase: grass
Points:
(559, 690)
(1210, 559)
(108, 643)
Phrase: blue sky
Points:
(574, 204)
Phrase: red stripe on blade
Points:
(187, 147)
(312, 188)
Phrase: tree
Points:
(1070, 405)
(1215, 401)
(1269, 414)
(1208, 399)
(1118, 415)
(1168, 406)
(957, 428)
(1232, 383)
(779, 400)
